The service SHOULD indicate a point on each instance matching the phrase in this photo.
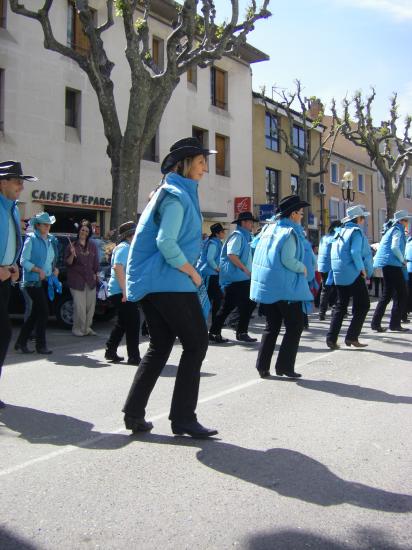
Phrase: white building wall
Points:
(34, 117)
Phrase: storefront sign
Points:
(242, 204)
(70, 198)
(266, 211)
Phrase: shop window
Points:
(407, 190)
(361, 183)
(3, 8)
(152, 150)
(202, 135)
(219, 87)
(222, 156)
(158, 53)
(1, 100)
(76, 39)
(334, 173)
(272, 179)
(73, 101)
(192, 76)
(271, 132)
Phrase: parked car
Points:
(62, 306)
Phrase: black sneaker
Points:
(217, 338)
(244, 337)
(113, 357)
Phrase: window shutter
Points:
(221, 155)
(81, 42)
(155, 51)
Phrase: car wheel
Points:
(64, 312)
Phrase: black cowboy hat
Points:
(245, 216)
(216, 228)
(290, 204)
(125, 230)
(184, 148)
(11, 169)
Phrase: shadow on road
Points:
(46, 428)
(290, 539)
(353, 391)
(170, 371)
(290, 474)
(10, 541)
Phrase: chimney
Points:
(315, 107)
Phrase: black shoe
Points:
(134, 361)
(264, 373)
(137, 424)
(44, 351)
(113, 357)
(23, 348)
(2, 404)
(194, 429)
(332, 345)
(355, 344)
(217, 338)
(244, 337)
(398, 329)
(289, 374)
(405, 321)
(322, 316)
(379, 329)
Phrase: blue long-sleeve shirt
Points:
(288, 256)
(26, 255)
(170, 216)
(395, 246)
(356, 251)
(211, 254)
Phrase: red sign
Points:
(243, 204)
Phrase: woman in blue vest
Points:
(351, 259)
(391, 258)
(128, 317)
(161, 275)
(208, 265)
(328, 292)
(279, 283)
(37, 261)
(408, 258)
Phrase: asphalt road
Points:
(322, 463)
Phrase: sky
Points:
(335, 47)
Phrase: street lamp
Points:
(348, 194)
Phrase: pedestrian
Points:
(234, 278)
(11, 186)
(279, 283)
(82, 260)
(328, 289)
(128, 317)
(309, 259)
(38, 263)
(208, 266)
(351, 260)
(408, 258)
(391, 258)
(161, 275)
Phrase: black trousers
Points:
(235, 295)
(5, 326)
(361, 304)
(171, 314)
(409, 292)
(127, 322)
(327, 296)
(394, 287)
(38, 316)
(292, 316)
(215, 295)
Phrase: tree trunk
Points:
(303, 192)
(392, 197)
(125, 178)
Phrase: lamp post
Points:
(348, 194)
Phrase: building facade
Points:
(49, 118)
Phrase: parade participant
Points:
(391, 258)
(309, 260)
(234, 278)
(82, 260)
(208, 266)
(11, 186)
(161, 274)
(328, 291)
(37, 261)
(128, 317)
(279, 283)
(351, 260)
(408, 258)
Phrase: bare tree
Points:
(193, 41)
(306, 155)
(391, 153)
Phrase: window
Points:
(294, 184)
(151, 152)
(158, 53)
(1, 100)
(72, 118)
(334, 173)
(271, 132)
(299, 138)
(381, 183)
(381, 218)
(361, 183)
(219, 88)
(336, 209)
(222, 157)
(407, 190)
(192, 76)
(3, 6)
(76, 38)
(201, 135)
(272, 178)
